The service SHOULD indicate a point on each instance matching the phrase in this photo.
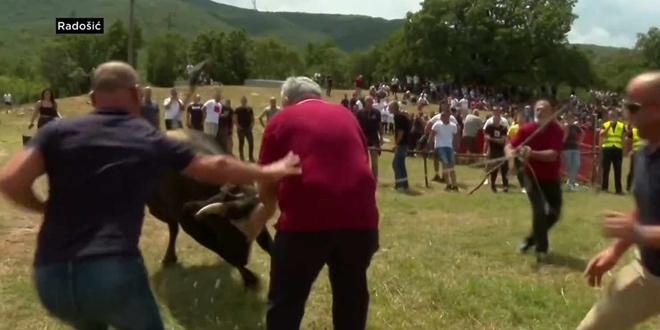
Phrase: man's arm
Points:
(18, 176)
(167, 103)
(252, 120)
(261, 118)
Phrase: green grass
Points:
(447, 261)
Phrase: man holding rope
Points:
(543, 164)
(634, 293)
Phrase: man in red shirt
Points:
(358, 86)
(328, 215)
(542, 155)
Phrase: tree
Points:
(239, 65)
(212, 45)
(116, 41)
(269, 50)
(166, 59)
(649, 47)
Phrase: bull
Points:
(208, 213)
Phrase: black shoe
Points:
(524, 246)
(454, 188)
(493, 189)
(437, 178)
(505, 189)
(449, 188)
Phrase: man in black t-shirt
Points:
(402, 127)
(345, 102)
(230, 131)
(225, 120)
(244, 116)
(369, 119)
(195, 116)
(496, 139)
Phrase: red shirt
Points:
(336, 189)
(358, 82)
(551, 138)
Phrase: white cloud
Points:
(601, 22)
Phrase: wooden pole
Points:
(131, 34)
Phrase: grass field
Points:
(447, 261)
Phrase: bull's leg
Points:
(265, 241)
(250, 280)
(170, 254)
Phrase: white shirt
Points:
(503, 122)
(395, 81)
(436, 119)
(7, 97)
(453, 103)
(444, 134)
(174, 112)
(213, 110)
(190, 68)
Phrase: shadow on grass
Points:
(208, 297)
(566, 261)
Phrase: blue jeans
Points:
(99, 293)
(572, 162)
(399, 167)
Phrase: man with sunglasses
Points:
(101, 169)
(611, 138)
(634, 294)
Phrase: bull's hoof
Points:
(250, 281)
(169, 261)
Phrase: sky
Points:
(601, 22)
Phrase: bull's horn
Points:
(239, 195)
(214, 208)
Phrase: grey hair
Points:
(296, 89)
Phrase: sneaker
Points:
(437, 178)
(486, 182)
(523, 190)
(493, 189)
(505, 189)
(448, 188)
(542, 257)
(524, 246)
(454, 188)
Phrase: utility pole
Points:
(131, 34)
(254, 4)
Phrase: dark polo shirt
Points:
(647, 197)
(101, 169)
(336, 190)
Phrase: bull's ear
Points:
(212, 209)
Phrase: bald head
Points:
(113, 76)
(114, 85)
(644, 105)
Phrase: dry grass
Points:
(447, 261)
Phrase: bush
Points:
(22, 91)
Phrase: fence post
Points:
(595, 169)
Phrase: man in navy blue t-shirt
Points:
(101, 169)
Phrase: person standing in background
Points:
(345, 102)
(517, 163)
(269, 112)
(328, 81)
(8, 101)
(213, 107)
(611, 137)
(402, 128)
(230, 131)
(149, 108)
(443, 140)
(632, 134)
(45, 110)
(358, 86)
(173, 107)
(225, 121)
(471, 126)
(571, 150)
(195, 114)
(244, 125)
(370, 122)
(496, 138)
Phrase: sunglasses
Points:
(632, 107)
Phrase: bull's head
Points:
(233, 204)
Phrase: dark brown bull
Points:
(205, 211)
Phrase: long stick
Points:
(524, 143)
(426, 173)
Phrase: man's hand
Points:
(618, 225)
(31, 125)
(289, 165)
(599, 265)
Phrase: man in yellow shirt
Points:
(521, 119)
(611, 139)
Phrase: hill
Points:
(27, 22)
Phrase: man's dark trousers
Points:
(546, 200)
(298, 257)
(611, 156)
(245, 134)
